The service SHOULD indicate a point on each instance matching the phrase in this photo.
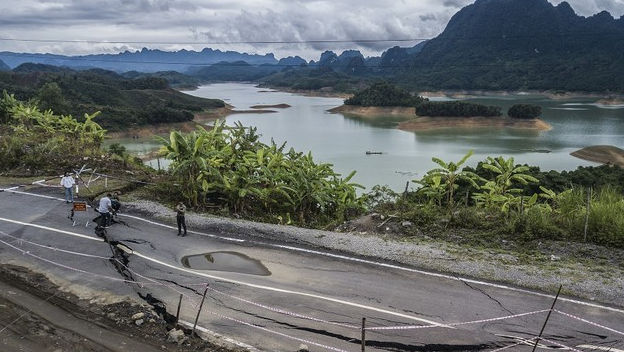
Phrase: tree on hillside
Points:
(50, 97)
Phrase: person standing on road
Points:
(105, 208)
(181, 209)
(68, 183)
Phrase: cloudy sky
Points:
(282, 27)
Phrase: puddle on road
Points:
(226, 261)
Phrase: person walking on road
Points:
(105, 208)
(181, 209)
(68, 183)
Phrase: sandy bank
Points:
(433, 123)
(373, 111)
(605, 154)
(610, 102)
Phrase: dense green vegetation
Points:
(384, 94)
(501, 202)
(314, 78)
(123, 102)
(233, 71)
(456, 109)
(524, 111)
(33, 141)
(230, 167)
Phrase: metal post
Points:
(363, 334)
(178, 313)
(106, 182)
(547, 317)
(199, 310)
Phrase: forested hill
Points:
(521, 44)
(123, 102)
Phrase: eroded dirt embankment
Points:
(36, 315)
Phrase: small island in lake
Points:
(277, 106)
(610, 102)
(605, 154)
(420, 114)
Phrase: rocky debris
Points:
(176, 336)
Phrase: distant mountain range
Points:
(145, 60)
(490, 45)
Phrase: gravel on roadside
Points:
(546, 274)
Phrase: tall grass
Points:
(605, 219)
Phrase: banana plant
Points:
(508, 174)
(432, 188)
(450, 174)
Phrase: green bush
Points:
(536, 224)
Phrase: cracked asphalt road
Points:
(309, 298)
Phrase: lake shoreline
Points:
(436, 123)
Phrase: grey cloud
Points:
(428, 17)
(236, 23)
(456, 3)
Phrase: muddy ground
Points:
(35, 316)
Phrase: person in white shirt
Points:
(68, 183)
(105, 208)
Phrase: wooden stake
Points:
(199, 310)
(178, 313)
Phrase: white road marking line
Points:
(600, 348)
(391, 266)
(11, 190)
(52, 229)
(175, 228)
(274, 289)
(527, 341)
(446, 276)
